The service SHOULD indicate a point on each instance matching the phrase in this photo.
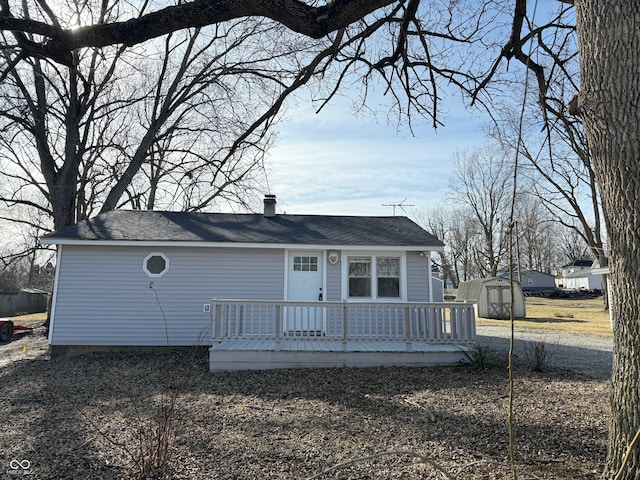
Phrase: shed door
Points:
(499, 301)
(304, 283)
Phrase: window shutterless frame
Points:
(374, 276)
(156, 264)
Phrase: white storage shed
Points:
(492, 297)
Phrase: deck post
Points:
(407, 327)
(345, 326)
(216, 321)
(453, 322)
(278, 320)
(471, 321)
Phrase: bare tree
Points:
(554, 142)
(437, 221)
(556, 163)
(148, 127)
(459, 229)
(408, 54)
(538, 233)
(573, 245)
(24, 262)
(464, 244)
(482, 181)
(543, 244)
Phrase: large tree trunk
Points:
(63, 205)
(609, 42)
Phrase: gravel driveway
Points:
(588, 354)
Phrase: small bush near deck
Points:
(478, 358)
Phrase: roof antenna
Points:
(400, 205)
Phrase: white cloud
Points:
(335, 163)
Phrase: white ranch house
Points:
(579, 275)
(262, 290)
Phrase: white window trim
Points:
(155, 254)
(344, 259)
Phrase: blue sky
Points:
(337, 163)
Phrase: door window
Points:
(305, 264)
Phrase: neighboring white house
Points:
(533, 280)
(579, 275)
(605, 272)
(147, 278)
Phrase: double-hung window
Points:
(374, 277)
(360, 277)
(388, 276)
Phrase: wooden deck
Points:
(262, 355)
(250, 335)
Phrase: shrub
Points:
(537, 355)
(478, 358)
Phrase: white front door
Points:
(305, 277)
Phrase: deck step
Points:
(221, 359)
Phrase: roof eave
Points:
(203, 244)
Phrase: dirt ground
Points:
(26, 345)
(92, 416)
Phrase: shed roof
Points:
(472, 289)
(579, 263)
(505, 274)
(157, 226)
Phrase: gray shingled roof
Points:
(579, 263)
(127, 225)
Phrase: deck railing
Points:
(242, 320)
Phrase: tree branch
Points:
(314, 22)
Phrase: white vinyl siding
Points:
(104, 297)
(418, 277)
(334, 284)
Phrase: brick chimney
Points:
(269, 205)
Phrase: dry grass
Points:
(79, 417)
(582, 316)
(30, 320)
